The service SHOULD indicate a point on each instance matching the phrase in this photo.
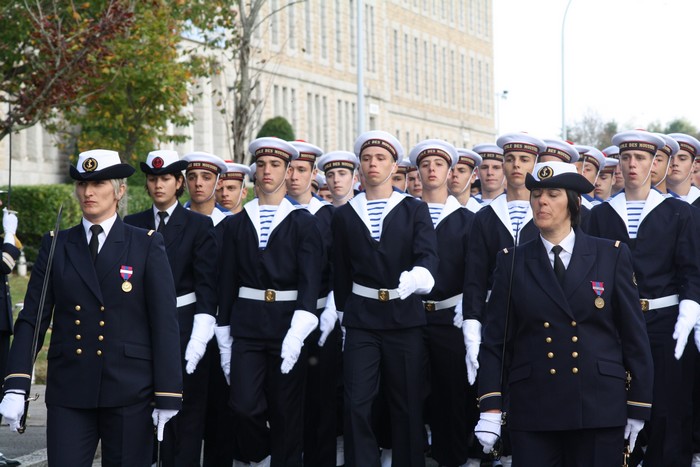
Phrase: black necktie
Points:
(94, 241)
(161, 224)
(559, 269)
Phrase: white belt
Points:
(383, 295)
(187, 299)
(268, 295)
(321, 302)
(656, 303)
(431, 306)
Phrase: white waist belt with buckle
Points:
(321, 302)
(268, 295)
(383, 295)
(656, 303)
(442, 304)
(187, 299)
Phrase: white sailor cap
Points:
(380, 139)
(610, 164)
(687, 143)
(638, 140)
(522, 142)
(591, 155)
(338, 160)
(235, 171)
(671, 146)
(469, 157)
(612, 151)
(433, 147)
(403, 166)
(100, 164)
(251, 173)
(272, 146)
(318, 181)
(556, 174)
(562, 150)
(162, 162)
(200, 160)
(307, 151)
(489, 151)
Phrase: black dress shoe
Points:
(4, 461)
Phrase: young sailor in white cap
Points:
(604, 183)
(664, 156)
(450, 404)
(679, 179)
(232, 191)
(190, 243)
(462, 176)
(562, 327)
(385, 252)
(618, 180)
(491, 174)
(589, 164)
(115, 348)
(203, 175)
(399, 179)
(324, 344)
(269, 285)
(413, 184)
(339, 167)
(661, 234)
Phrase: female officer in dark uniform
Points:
(114, 348)
(577, 373)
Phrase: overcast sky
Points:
(634, 61)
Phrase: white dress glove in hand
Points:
(12, 408)
(225, 341)
(160, 418)
(418, 280)
(488, 430)
(303, 323)
(688, 315)
(459, 318)
(328, 318)
(9, 225)
(202, 332)
(632, 430)
(471, 329)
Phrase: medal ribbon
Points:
(598, 288)
(126, 272)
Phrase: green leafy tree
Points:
(277, 126)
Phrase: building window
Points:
(444, 75)
(339, 124)
(453, 91)
(324, 31)
(274, 23)
(324, 118)
(293, 105)
(407, 67)
(472, 84)
(435, 72)
(416, 66)
(478, 17)
(481, 93)
(338, 33)
(309, 115)
(396, 60)
(276, 100)
(309, 26)
(292, 26)
(463, 80)
(353, 34)
(489, 94)
(426, 69)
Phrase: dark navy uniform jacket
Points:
(323, 211)
(292, 260)
(566, 358)
(190, 243)
(10, 253)
(452, 232)
(666, 252)
(407, 239)
(109, 348)
(491, 232)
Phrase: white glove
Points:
(632, 430)
(160, 418)
(471, 329)
(459, 318)
(328, 318)
(225, 341)
(12, 408)
(688, 315)
(303, 323)
(417, 280)
(488, 430)
(9, 225)
(202, 332)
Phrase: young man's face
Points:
(603, 186)
(681, 167)
(377, 166)
(300, 177)
(399, 181)
(163, 189)
(658, 172)
(636, 167)
(587, 169)
(461, 179)
(201, 185)
(230, 194)
(413, 184)
(434, 171)
(340, 182)
(270, 173)
(491, 175)
(517, 164)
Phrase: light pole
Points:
(563, 93)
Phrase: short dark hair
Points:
(180, 191)
(574, 206)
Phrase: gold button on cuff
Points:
(552, 371)
(550, 354)
(573, 323)
(100, 338)
(77, 322)
(102, 323)
(548, 340)
(99, 353)
(574, 354)
(78, 337)
(102, 308)
(574, 370)
(574, 339)
(79, 351)
(546, 324)
(77, 307)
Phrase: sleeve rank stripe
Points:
(168, 394)
(18, 375)
(9, 260)
(639, 404)
(490, 394)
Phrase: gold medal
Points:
(599, 302)
(126, 286)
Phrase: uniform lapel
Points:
(78, 254)
(582, 261)
(253, 210)
(653, 199)
(359, 205)
(619, 205)
(112, 251)
(537, 261)
(451, 205)
(500, 207)
(174, 228)
(693, 194)
(283, 210)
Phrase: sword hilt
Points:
(23, 419)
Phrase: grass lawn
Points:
(18, 287)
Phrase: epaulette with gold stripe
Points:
(150, 232)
